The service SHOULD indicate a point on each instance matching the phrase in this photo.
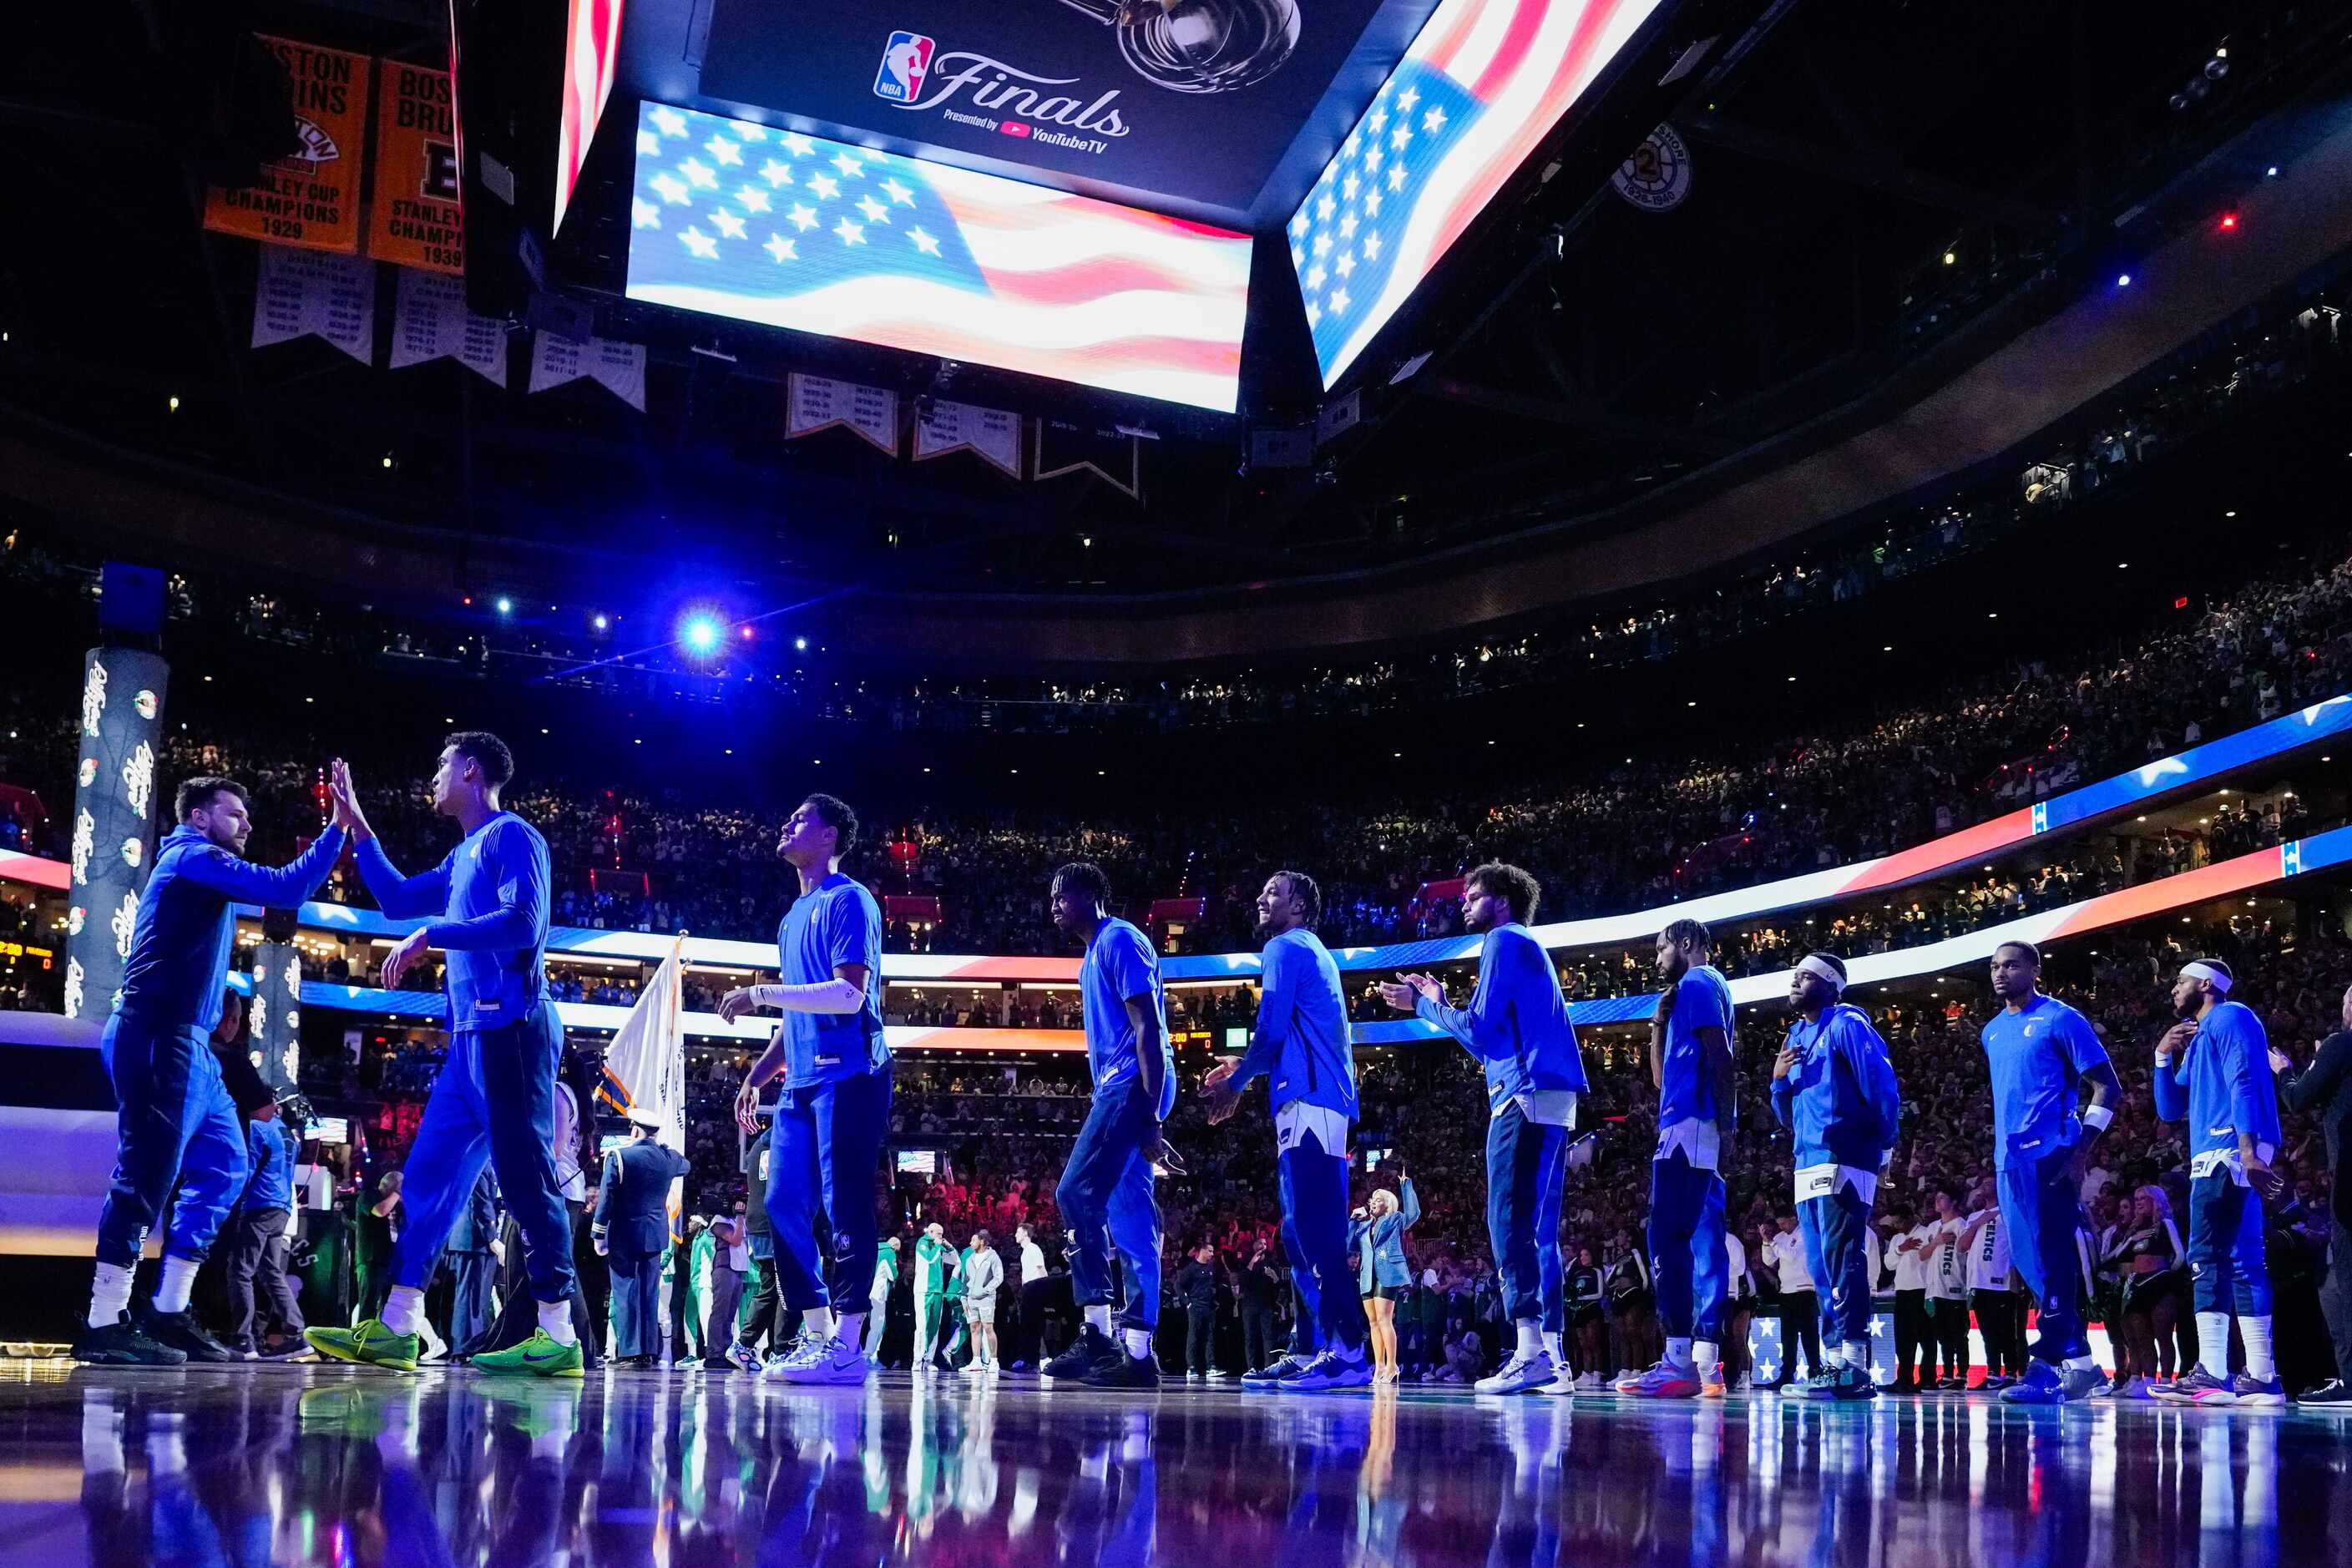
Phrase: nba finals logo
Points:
(905, 60)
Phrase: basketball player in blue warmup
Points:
(176, 1122)
(1690, 1062)
(1516, 1026)
(1301, 1047)
(1833, 1087)
(1106, 1196)
(486, 908)
(2214, 1068)
(2040, 1052)
(835, 1109)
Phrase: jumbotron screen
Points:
(1482, 86)
(741, 220)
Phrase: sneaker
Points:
(1951, 1386)
(745, 1358)
(1329, 1370)
(831, 1362)
(1565, 1382)
(1124, 1371)
(1818, 1385)
(1091, 1349)
(804, 1351)
(2261, 1393)
(1745, 1384)
(1523, 1372)
(1664, 1381)
(1589, 1383)
(370, 1344)
(1274, 1372)
(1194, 1377)
(2334, 1393)
(2198, 1386)
(2135, 1388)
(1711, 1382)
(1993, 1381)
(538, 1356)
(1846, 1385)
(181, 1333)
(124, 1344)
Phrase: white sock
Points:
(850, 1329)
(109, 1295)
(1678, 1350)
(1552, 1346)
(1856, 1353)
(1138, 1342)
(2213, 1343)
(1098, 1319)
(2082, 1363)
(1531, 1340)
(555, 1321)
(818, 1320)
(403, 1310)
(1706, 1353)
(171, 1294)
(2257, 1333)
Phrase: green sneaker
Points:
(371, 1345)
(538, 1355)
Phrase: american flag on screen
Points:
(1483, 84)
(789, 230)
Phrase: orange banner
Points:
(415, 219)
(311, 199)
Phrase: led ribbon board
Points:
(735, 219)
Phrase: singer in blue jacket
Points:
(1516, 1026)
(175, 1122)
(1833, 1088)
(1302, 1048)
(486, 908)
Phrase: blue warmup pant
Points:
(494, 1101)
(1315, 1225)
(1833, 1228)
(1107, 1201)
(2042, 1207)
(1688, 1261)
(1306, 1330)
(175, 1123)
(1527, 1161)
(2226, 1260)
(821, 1159)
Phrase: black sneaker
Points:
(121, 1343)
(1091, 1349)
(2335, 1392)
(1125, 1371)
(181, 1332)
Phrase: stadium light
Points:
(506, 606)
(800, 644)
(602, 623)
(2229, 220)
(700, 633)
(2123, 280)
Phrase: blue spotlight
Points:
(700, 633)
(2123, 280)
(506, 606)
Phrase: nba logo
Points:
(906, 59)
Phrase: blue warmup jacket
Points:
(490, 894)
(1840, 1100)
(2221, 1083)
(179, 944)
(1301, 1042)
(269, 1147)
(1516, 1023)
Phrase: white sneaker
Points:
(832, 1361)
(1520, 1374)
(1566, 1381)
(805, 1349)
(1744, 1386)
(1589, 1383)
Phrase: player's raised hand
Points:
(735, 1004)
(1397, 993)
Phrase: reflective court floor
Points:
(333, 1465)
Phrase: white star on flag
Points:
(1378, 121)
(671, 121)
(803, 218)
(701, 244)
(1314, 312)
(1434, 121)
(1347, 226)
(1298, 226)
(751, 133)
(754, 199)
(875, 211)
(1338, 300)
(644, 214)
(926, 243)
(1400, 137)
(727, 223)
(724, 149)
(648, 143)
(1317, 277)
(1322, 245)
(672, 189)
(1299, 255)
(1371, 203)
(1348, 187)
(698, 174)
(798, 145)
(1345, 265)
(1407, 98)
(825, 185)
(776, 173)
(1372, 156)
(1326, 207)
(899, 195)
(1396, 176)
(1372, 247)
(781, 249)
(848, 164)
(850, 233)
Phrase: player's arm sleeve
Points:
(1276, 1007)
(519, 922)
(2171, 1099)
(1784, 1100)
(2249, 1065)
(402, 897)
(1483, 1026)
(272, 887)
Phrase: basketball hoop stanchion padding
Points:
(119, 799)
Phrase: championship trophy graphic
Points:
(1200, 46)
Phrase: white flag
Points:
(305, 294)
(644, 1067)
(618, 368)
(819, 403)
(430, 322)
(991, 434)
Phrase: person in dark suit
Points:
(632, 1226)
(474, 1248)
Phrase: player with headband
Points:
(2213, 1068)
(2040, 1052)
(1833, 1088)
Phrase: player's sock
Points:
(555, 1321)
(849, 1328)
(818, 1320)
(403, 1310)
(1706, 1354)
(1856, 1354)
(2213, 1343)
(1098, 1319)
(1678, 1350)
(1137, 1343)
(1552, 1348)
(109, 1295)
(2257, 1333)
(172, 1292)
(1531, 1340)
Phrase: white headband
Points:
(1813, 964)
(2200, 970)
